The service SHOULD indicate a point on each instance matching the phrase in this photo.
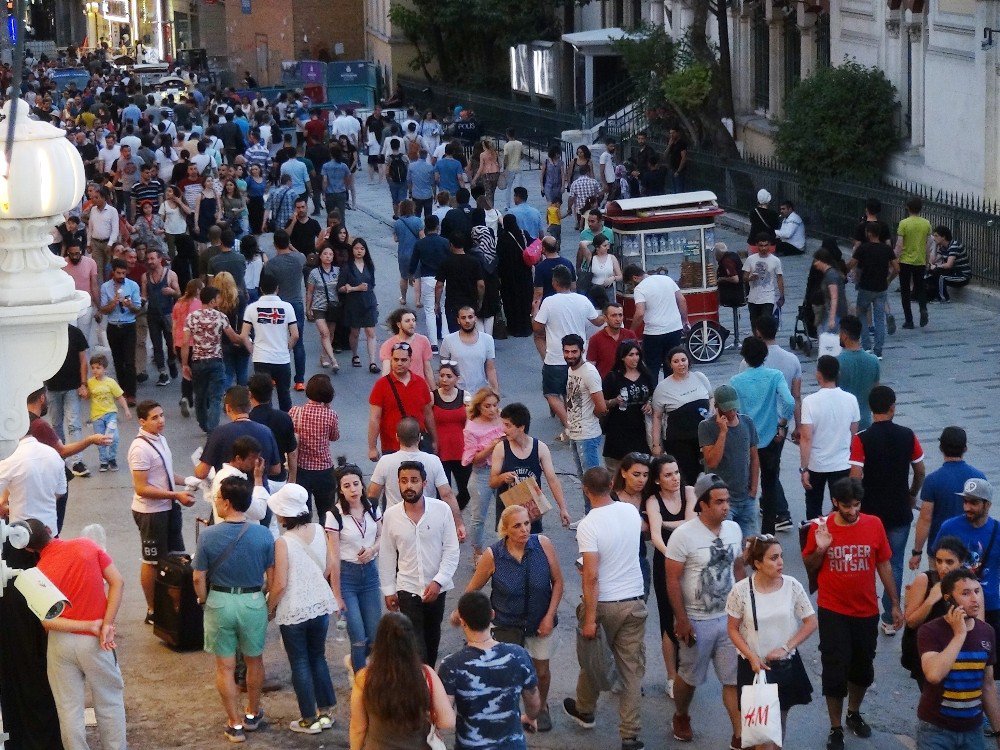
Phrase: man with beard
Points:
(584, 405)
(416, 569)
(83, 269)
(845, 550)
(474, 351)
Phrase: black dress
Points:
(663, 607)
(516, 286)
(625, 425)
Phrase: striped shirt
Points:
(149, 191)
(956, 703)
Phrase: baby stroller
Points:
(804, 336)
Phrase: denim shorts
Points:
(233, 620)
(398, 191)
(554, 379)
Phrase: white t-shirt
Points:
(386, 473)
(582, 423)
(471, 359)
(355, 535)
(662, 314)
(708, 565)
(439, 151)
(109, 156)
(202, 161)
(764, 288)
(564, 313)
(349, 126)
(830, 411)
(613, 532)
(607, 162)
(779, 613)
(270, 317)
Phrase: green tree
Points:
(839, 123)
(468, 40)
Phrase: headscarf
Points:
(484, 246)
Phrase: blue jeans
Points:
(746, 512)
(208, 380)
(236, 360)
(65, 406)
(875, 301)
(587, 454)
(480, 504)
(655, 349)
(363, 599)
(299, 352)
(930, 737)
(305, 644)
(897, 543)
(107, 424)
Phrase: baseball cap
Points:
(726, 398)
(977, 488)
(707, 482)
(290, 501)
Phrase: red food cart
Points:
(652, 232)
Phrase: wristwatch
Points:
(803, 469)
(915, 552)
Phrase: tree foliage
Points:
(830, 131)
(467, 41)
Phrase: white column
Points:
(588, 79)
(916, 37)
(776, 63)
(807, 42)
(989, 63)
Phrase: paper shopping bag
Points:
(761, 712)
(829, 343)
(529, 494)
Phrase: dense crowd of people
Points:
(165, 245)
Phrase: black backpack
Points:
(397, 168)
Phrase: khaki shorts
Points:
(539, 647)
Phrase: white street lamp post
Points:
(37, 298)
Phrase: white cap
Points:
(763, 196)
(290, 501)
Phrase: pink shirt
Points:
(420, 354)
(84, 273)
(477, 436)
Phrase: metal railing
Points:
(607, 104)
(833, 208)
(537, 128)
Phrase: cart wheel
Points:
(807, 347)
(705, 342)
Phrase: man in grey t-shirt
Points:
(287, 267)
(729, 446)
(474, 351)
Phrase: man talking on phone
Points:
(845, 550)
(704, 560)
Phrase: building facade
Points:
(261, 34)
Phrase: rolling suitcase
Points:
(177, 617)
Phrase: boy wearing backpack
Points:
(396, 166)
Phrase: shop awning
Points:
(596, 41)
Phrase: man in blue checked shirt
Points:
(120, 301)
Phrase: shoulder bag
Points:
(980, 567)
(225, 554)
(426, 443)
(781, 669)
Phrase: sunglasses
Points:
(450, 362)
(402, 345)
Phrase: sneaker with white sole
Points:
(306, 726)
(235, 734)
(326, 721)
(79, 469)
(887, 628)
(783, 524)
(185, 408)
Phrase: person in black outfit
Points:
(763, 219)
(460, 280)
(516, 289)
(654, 179)
(261, 387)
(459, 219)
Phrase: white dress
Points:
(602, 271)
(307, 595)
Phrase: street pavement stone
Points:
(944, 374)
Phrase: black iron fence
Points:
(833, 208)
(537, 127)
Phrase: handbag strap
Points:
(170, 478)
(308, 549)
(430, 696)
(395, 393)
(753, 605)
(226, 552)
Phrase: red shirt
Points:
(414, 396)
(43, 432)
(76, 567)
(315, 130)
(847, 574)
(601, 348)
(449, 418)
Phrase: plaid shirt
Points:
(583, 188)
(316, 426)
(281, 204)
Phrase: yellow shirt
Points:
(103, 393)
(552, 215)
(914, 230)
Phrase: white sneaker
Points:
(887, 628)
(670, 688)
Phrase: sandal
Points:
(355, 361)
(323, 364)
(335, 367)
(374, 369)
